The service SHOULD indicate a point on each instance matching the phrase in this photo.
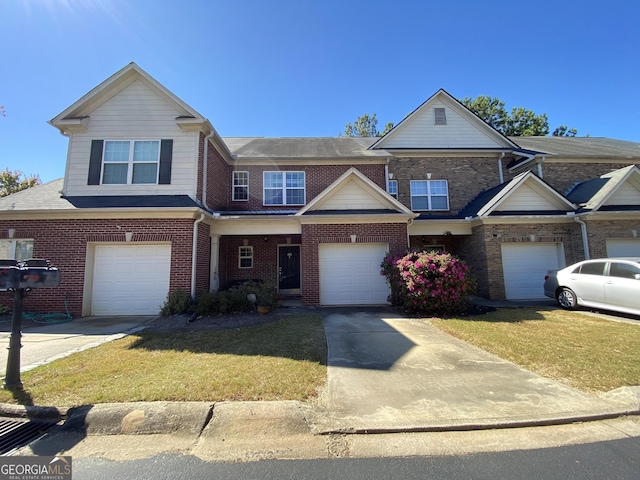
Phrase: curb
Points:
(32, 412)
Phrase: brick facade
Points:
(564, 176)
(395, 234)
(317, 178)
(465, 176)
(64, 243)
(265, 257)
(598, 231)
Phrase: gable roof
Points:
(525, 194)
(303, 148)
(74, 116)
(364, 188)
(580, 147)
(419, 131)
(608, 190)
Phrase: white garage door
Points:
(350, 274)
(130, 279)
(627, 247)
(525, 265)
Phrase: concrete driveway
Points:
(43, 343)
(389, 373)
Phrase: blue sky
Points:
(292, 68)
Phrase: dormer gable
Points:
(354, 192)
(619, 188)
(442, 122)
(525, 193)
(76, 117)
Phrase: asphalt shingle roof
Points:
(580, 147)
(303, 148)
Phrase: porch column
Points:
(214, 280)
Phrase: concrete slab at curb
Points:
(143, 418)
(240, 431)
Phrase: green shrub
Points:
(208, 303)
(428, 282)
(178, 301)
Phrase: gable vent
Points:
(440, 116)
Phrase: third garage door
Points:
(350, 274)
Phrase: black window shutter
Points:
(95, 162)
(166, 152)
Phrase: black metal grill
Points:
(16, 433)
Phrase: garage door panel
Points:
(525, 265)
(130, 279)
(626, 247)
(350, 274)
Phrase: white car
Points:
(607, 283)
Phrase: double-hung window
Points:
(130, 162)
(16, 249)
(240, 186)
(429, 195)
(393, 188)
(284, 188)
(245, 257)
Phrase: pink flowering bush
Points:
(428, 282)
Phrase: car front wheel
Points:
(567, 299)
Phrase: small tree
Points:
(428, 282)
(12, 182)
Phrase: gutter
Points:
(194, 254)
(500, 168)
(204, 169)
(585, 239)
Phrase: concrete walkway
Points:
(388, 374)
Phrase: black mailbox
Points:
(33, 273)
(9, 274)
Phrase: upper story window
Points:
(130, 161)
(240, 186)
(393, 188)
(18, 249)
(429, 195)
(284, 188)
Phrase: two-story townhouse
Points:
(153, 200)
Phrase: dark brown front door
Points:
(289, 264)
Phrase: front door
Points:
(289, 268)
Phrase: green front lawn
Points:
(580, 350)
(285, 360)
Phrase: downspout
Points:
(194, 254)
(386, 175)
(540, 166)
(500, 168)
(204, 170)
(585, 240)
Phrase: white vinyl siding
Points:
(428, 195)
(421, 131)
(240, 186)
(525, 199)
(350, 196)
(625, 194)
(136, 112)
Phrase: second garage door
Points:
(350, 274)
(130, 279)
(525, 265)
